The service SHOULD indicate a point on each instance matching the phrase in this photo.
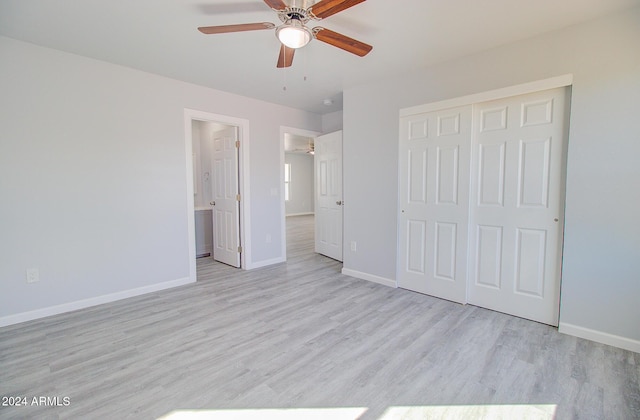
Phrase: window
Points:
(287, 181)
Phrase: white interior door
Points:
(517, 210)
(328, 206)
(434, 203)
(226, 199)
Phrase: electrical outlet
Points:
(33, 275)
(353, 246)
(268, 238)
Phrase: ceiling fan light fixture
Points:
(294, 34)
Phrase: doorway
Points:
(218, 193)
(297, 176)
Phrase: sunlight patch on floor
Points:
(348, 413)
(488, 411)
(439, 412)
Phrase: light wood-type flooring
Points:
(301, 340)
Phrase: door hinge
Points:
(237, 197)
(240, 249)
(237, 144)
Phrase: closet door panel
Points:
(517, 217)
(434, 202)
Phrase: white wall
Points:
(332, 122)
(203, 222)
(302, 192)
(601, 270)
(93, 182)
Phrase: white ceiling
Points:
(160, 36)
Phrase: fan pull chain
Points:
(304, 66)
(284, 80)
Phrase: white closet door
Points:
(434, 203)
(517, 205)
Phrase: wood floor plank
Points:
(302, 335)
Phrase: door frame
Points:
(523, 89)
(243, 183)
(283, 212)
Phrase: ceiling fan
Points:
(310, 149)
(295, 144)
(294, 33)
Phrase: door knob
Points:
(339, 203)
(213, 203)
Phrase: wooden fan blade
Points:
(276, 4)
(326, 8)
(342, 41)
(286, 56)
(222, 29)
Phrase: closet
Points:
(481, 200)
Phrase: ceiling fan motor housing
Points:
(296, 13)
(301, 4)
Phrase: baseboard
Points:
(85, 303)
(600, 337)
(369, 277)
(259, 264)
(300, 214)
